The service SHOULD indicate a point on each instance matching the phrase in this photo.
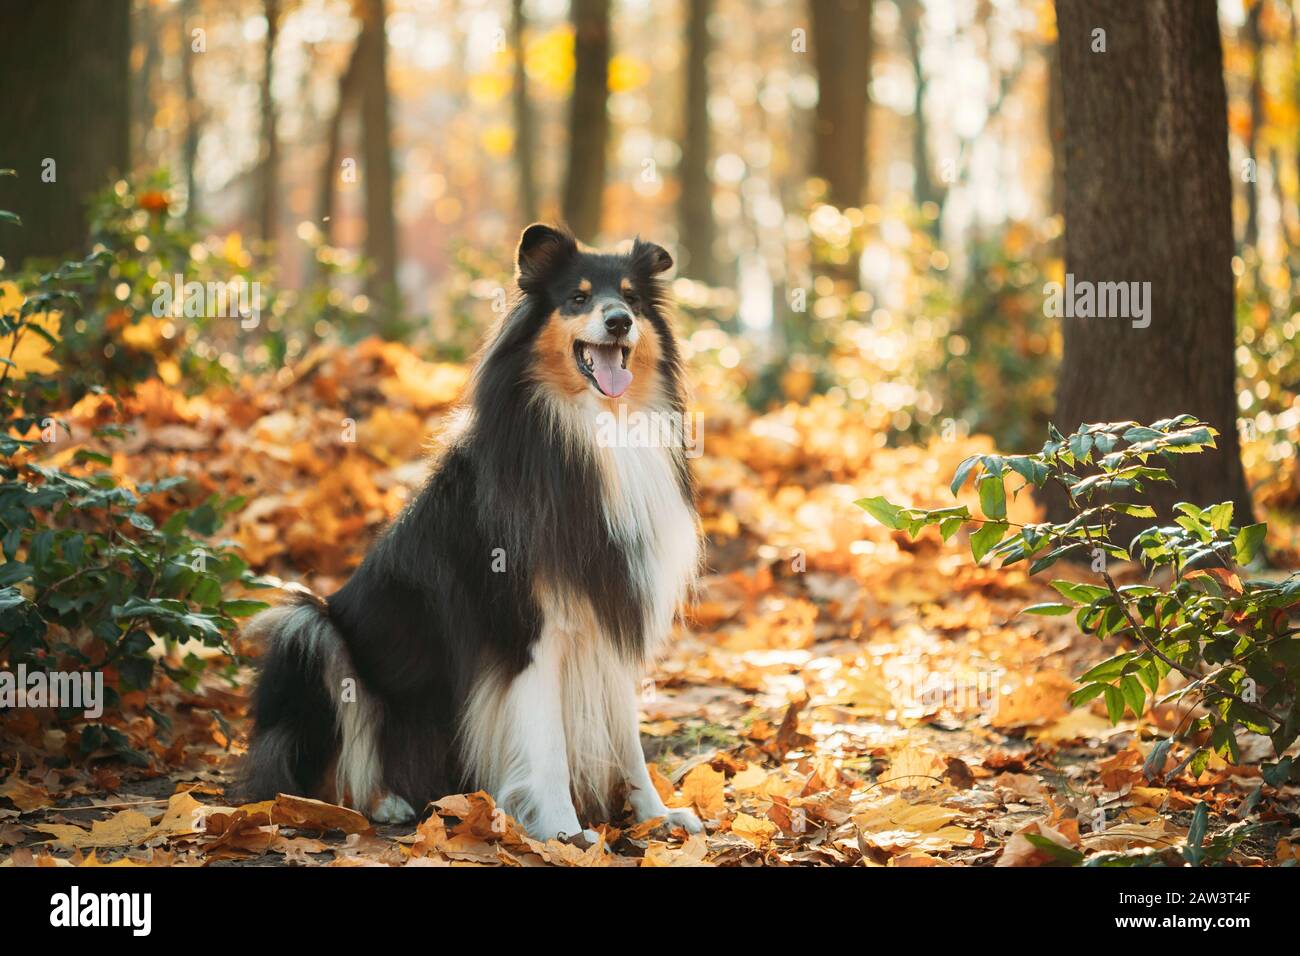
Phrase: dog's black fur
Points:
(425, 614)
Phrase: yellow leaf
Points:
(25, 796)
(914, 768)
(690, 853)
(549, 60)
(751, 778)
(897, 813)
(702, 788)
(1124, 836)
(128, 828)
(626, 73)
(498, 140)
(895, 825)
(756, 831)
(31, 355)
(489, 88)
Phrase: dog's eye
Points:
(578, 298)
(632, 299)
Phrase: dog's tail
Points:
(296, 728)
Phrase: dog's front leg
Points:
(534, 782)
(645, 799)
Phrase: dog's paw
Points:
(684, 818)
(392, 809)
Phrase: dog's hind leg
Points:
(358, 774)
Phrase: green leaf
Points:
(1084, 694)
(141, 521)
(10, 598)
(1080, 593)
(1141, 433)
(1031, 469)
(1133, 693)
(1196, 830)
(1114, 704)
(1049, 559)
(983, 540)
(1063, 854)
(1108, 669)
(1153, 767)
(1246, 544)
(203, 519)
(1048, 609)
(993, 497)
(963, 472)
(884, 511)
(14, 572)
(1279, 773)
(1135, 511)
(242, 608)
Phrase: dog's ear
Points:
(541, 249)
(649, 258)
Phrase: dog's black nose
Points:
(618, 321)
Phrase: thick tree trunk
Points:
(1056, 129)
(64, 93)
(525, 137)
(584, 185)
(269, 167)
(1148, 199)
(695, 205)
(377, 152)
(842, 53)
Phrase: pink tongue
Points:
(607, 367)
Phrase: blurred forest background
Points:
(873, 217)
(866, 200)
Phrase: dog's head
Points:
(604, 330)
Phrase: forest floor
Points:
(837, 696)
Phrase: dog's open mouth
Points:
(605, 366)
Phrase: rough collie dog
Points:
(495, 635)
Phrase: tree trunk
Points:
(192, 118)
(1056, 129)
(525, 137)
(842, 54)
(1148, 199)
(584, 185)
(1295, 96)
(327, 187)
(695, 205)
(145, 34)
(268, 168)
(377, 153)
(926, 189)
(1255, 42)
(65, 87)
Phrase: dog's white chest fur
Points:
(578, 680)
(645, 511)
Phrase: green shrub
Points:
(88, 580)
(1233, 640)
